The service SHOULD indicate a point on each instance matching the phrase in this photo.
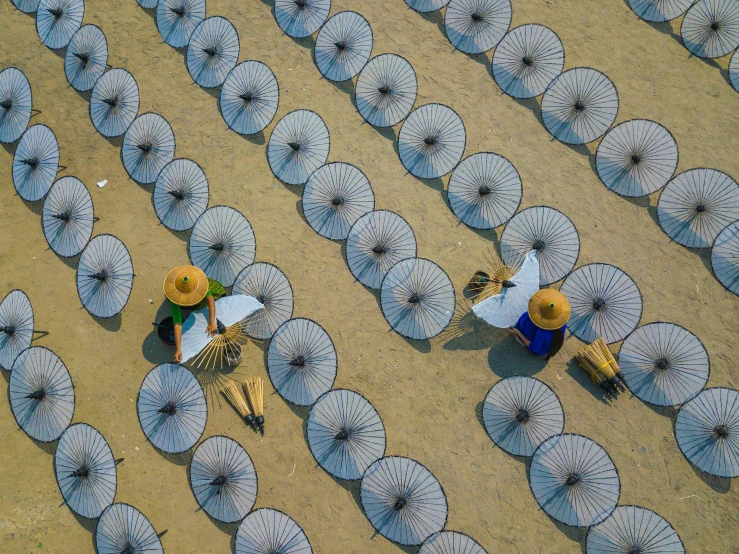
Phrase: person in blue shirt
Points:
(541, 329)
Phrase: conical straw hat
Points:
(186, 285)
(549, 309)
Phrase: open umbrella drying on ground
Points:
(180, 194)
(299, 145)
(171, 408)
(403, 500)
(35, 163)
(85, 470)
(301, 18)
(271, 288)
(114, 102)
(268, 531)
(249, 97)
(634, 529)
(343, 46)
(177, 19)
(426, 6)
(67, 218)
(41, 394)
(15, 104)
(147, 147)
(58, 20)
(658, 11)
(710, 29)
(725, 257)
(386, 90)
(105, 276)
(86, 57)
(122, 528)
(212, 51)
(476, 26)
(16, 327)
(450, 542)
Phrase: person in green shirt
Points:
(188, 287)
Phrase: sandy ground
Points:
(427, 393)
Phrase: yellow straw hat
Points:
(549, 309)
(186, 285)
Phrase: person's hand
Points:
(513, 332)
(178, 356)
(211, 329)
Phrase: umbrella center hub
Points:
(341, 45)
(572, 479)
(700, 208)
(430, 141)
(635, 550)
(100, 275)
(400, 503)
(31, 162)
(112, 102)
(219, 481)
(84, 58)
(342, 435)
(169, 409)
(722, 431)
(378, 249)
(179, 10)
(635, 158)
(294, 145)
(527, 61)
(7, 103)
(484, 190)
(144, 147)
(8, 329)
(127, 550)
(81, 472)
(662, 363)
(477, 18)
(246, 97)
(261, 299)
(298, 361)
(37, 395)
(338, 201)
(301, 4)
(715, 26)
(579, 106)
(178, 194)
(599, 304)
(384, 89)
(221, 327)
(507, 284)
(57, 13)
(522, 416)
(414, 299)
(538, 245)
(211, 50)
(217, 246)
(63, 216)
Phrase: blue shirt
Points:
(541, 339)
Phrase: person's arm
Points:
(212, 328)
(518, 334)
(178, 342)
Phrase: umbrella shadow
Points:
(86, 523)
(301, 213)
(86, 95)
(6, 375)
(507, 358)
(347, 87)
(583, 150)
(580, 375)
(36, 207)
(184, 236)
(468, 332)
(72, 262)
(48, 447)
(151, 12)
(110, 324)
(531, 104)
(307, 42)
(482, 59)
(115, 141)
(215, 92)
(257, 138)
(180, 459)
(10, 148)
(721, 485)
(437, 19)
(575, 534)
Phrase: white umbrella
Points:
(503, 309)
(230, 310)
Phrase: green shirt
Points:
(215, 289)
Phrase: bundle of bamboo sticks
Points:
(254, 389)
(597, 359)
(237, 401)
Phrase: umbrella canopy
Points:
(574, 480)
(172, 409)
(114, 102)
(484, 190)
(271, 288)
(696, 205)
(15, 104)
(431, 141)
(520, 413)
(301, 361)
(16, 327)
(658, 11)
(343, 46)
(636, 158)
(386, 90)
(403, 500)
(634, 529)
(223, 479)
(35, 163)
(417, 298)
(58, 20)
(505, 308)
(298, 146)
(26, 6)
(734, 71)
(249, 97)
(105, 276)
(376, 242)
(147, 4)
(450, 542)
(725, 257)
(547, 231)
(476, 26)
(334, 197)
(85, 470)
(67, 218)
(212, 51)
(177, 19)
(707, 431)
(664, 364)
(710, 29)
(222, 243)
(265, 531)
(122, 528)
(345, 434)
(230, 310)
(41, 394)
(527, 60)
(579, 106)
(605, 302)
(180, 194)
(86, 57)
(301, 18)
(147, 147)
(426, 6)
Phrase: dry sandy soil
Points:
(427, 393)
